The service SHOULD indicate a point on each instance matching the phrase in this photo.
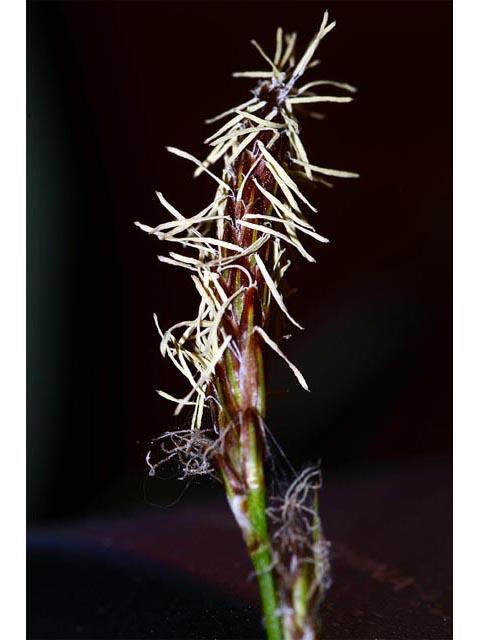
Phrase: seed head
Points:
(239, 247)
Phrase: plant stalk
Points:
(259, 547)
(242, 239)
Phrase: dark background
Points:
(110, 84)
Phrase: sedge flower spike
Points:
(238, 250)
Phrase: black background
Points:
(110, 84)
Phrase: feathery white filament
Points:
(197, 346)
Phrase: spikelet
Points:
(237, 243)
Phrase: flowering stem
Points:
(249, 509)
(262, 561)
(259, 546)
(238, 249)
(246, 460)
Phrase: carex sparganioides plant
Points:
(238, 249)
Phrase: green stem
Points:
(262, 562)
(259, 546)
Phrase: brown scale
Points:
(245, 403)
